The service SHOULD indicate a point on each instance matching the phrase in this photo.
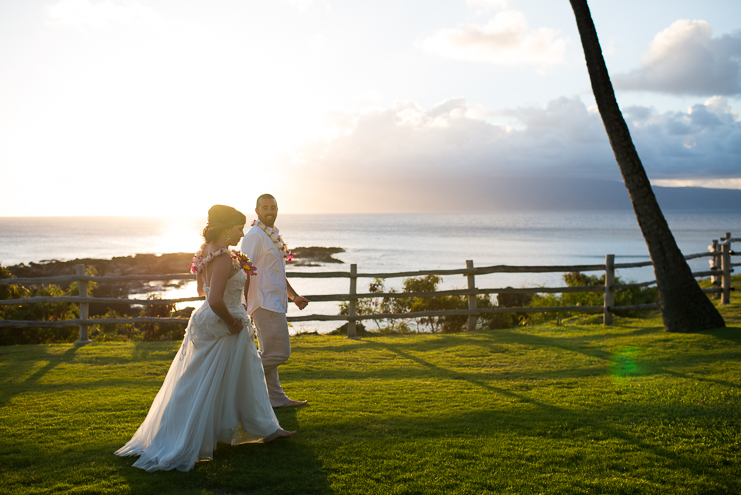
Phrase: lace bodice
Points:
(233, 291)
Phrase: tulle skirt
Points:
(214, 391)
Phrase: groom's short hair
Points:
(265, 196)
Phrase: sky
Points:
(166, 107)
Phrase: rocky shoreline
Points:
(150, 264)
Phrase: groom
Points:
(268, 296)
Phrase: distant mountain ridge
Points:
(677, 198)
(548, 193)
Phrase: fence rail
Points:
(720, 271)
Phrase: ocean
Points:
(389, 242)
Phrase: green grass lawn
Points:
(575, 408)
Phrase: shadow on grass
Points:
(699, 378)
(454, 375)
(15, 363)
(583, 343)
(54, 360)
(280, 467)
(549, 420)
(38, 354)
(731, 334)
(143, 350)
(284, 466)
(277, 468)
(607, 356)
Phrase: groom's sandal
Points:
(293, 403)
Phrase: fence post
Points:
(726, 265)
(609, 288)
(472, 319)
(353, 307)
(715, 264)
(82, 291)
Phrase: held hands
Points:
(236, 326)
(301, 302)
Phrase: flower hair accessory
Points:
(277, 240)
(243, 261)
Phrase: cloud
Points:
(685, 59)
(305, 5)
(453, 151)
(484, 5)
(707, 183)
(369, 99)
(100, 14)
(504, 40)
(702, 143)
(407, 139)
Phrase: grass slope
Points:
(576, 408)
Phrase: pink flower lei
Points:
(277, 240)
(239, 260)
(199, 261)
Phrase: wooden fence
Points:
(721, 267)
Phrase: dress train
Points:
(214, 391)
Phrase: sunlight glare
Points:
(181, 235)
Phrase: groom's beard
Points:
(268, 220)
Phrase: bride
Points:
(215, 388)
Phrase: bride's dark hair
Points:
(221, 218)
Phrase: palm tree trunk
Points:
(684, 307)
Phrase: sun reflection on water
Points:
(179, 236)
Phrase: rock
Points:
(140, 264)
(513, 300)
(314, 256)
(149, 264)
(360, 330)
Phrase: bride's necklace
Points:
(277, 240)
(239, 260)
(199, 261)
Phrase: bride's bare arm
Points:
(220, 269)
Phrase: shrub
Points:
(51, 311)
(58, 311)
(114, 332)
(414, 304)
(624, 297)
(160, 331)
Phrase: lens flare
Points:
(625, 363)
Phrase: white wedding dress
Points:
(215, 390)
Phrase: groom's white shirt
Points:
(268, 288)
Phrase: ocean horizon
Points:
(388, 242)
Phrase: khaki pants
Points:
(275, 349)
